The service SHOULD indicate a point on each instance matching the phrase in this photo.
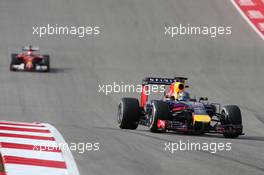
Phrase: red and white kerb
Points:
(253, 12)
(32, 149)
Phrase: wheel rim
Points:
(151, 117)
(226, 116)
(119, 113)
(150, 120)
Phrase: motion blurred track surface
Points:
(132, 45)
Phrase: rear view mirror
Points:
(203, 99)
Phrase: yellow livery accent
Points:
(201, 118)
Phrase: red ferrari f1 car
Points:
(176, 111)
(30, 61)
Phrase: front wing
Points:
(21, 67)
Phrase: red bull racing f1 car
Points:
(30, 61)
(178, 112)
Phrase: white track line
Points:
(27, 133)
(29, 141)
(16, 169)
(43, 155)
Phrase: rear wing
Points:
(163, 81)
(30, 48)
(158, 81)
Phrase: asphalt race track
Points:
(132, 45)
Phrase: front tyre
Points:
(232, 115)
(160, 111)
(128, 113)
(14, 61)
(46, 62)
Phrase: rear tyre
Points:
(160, 111)
(232, 115)
(46, 62)
(128, 113)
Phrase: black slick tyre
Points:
(232, 115)
(160, 111)
(128, 113)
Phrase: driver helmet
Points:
(29, 52)
(30, 49)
